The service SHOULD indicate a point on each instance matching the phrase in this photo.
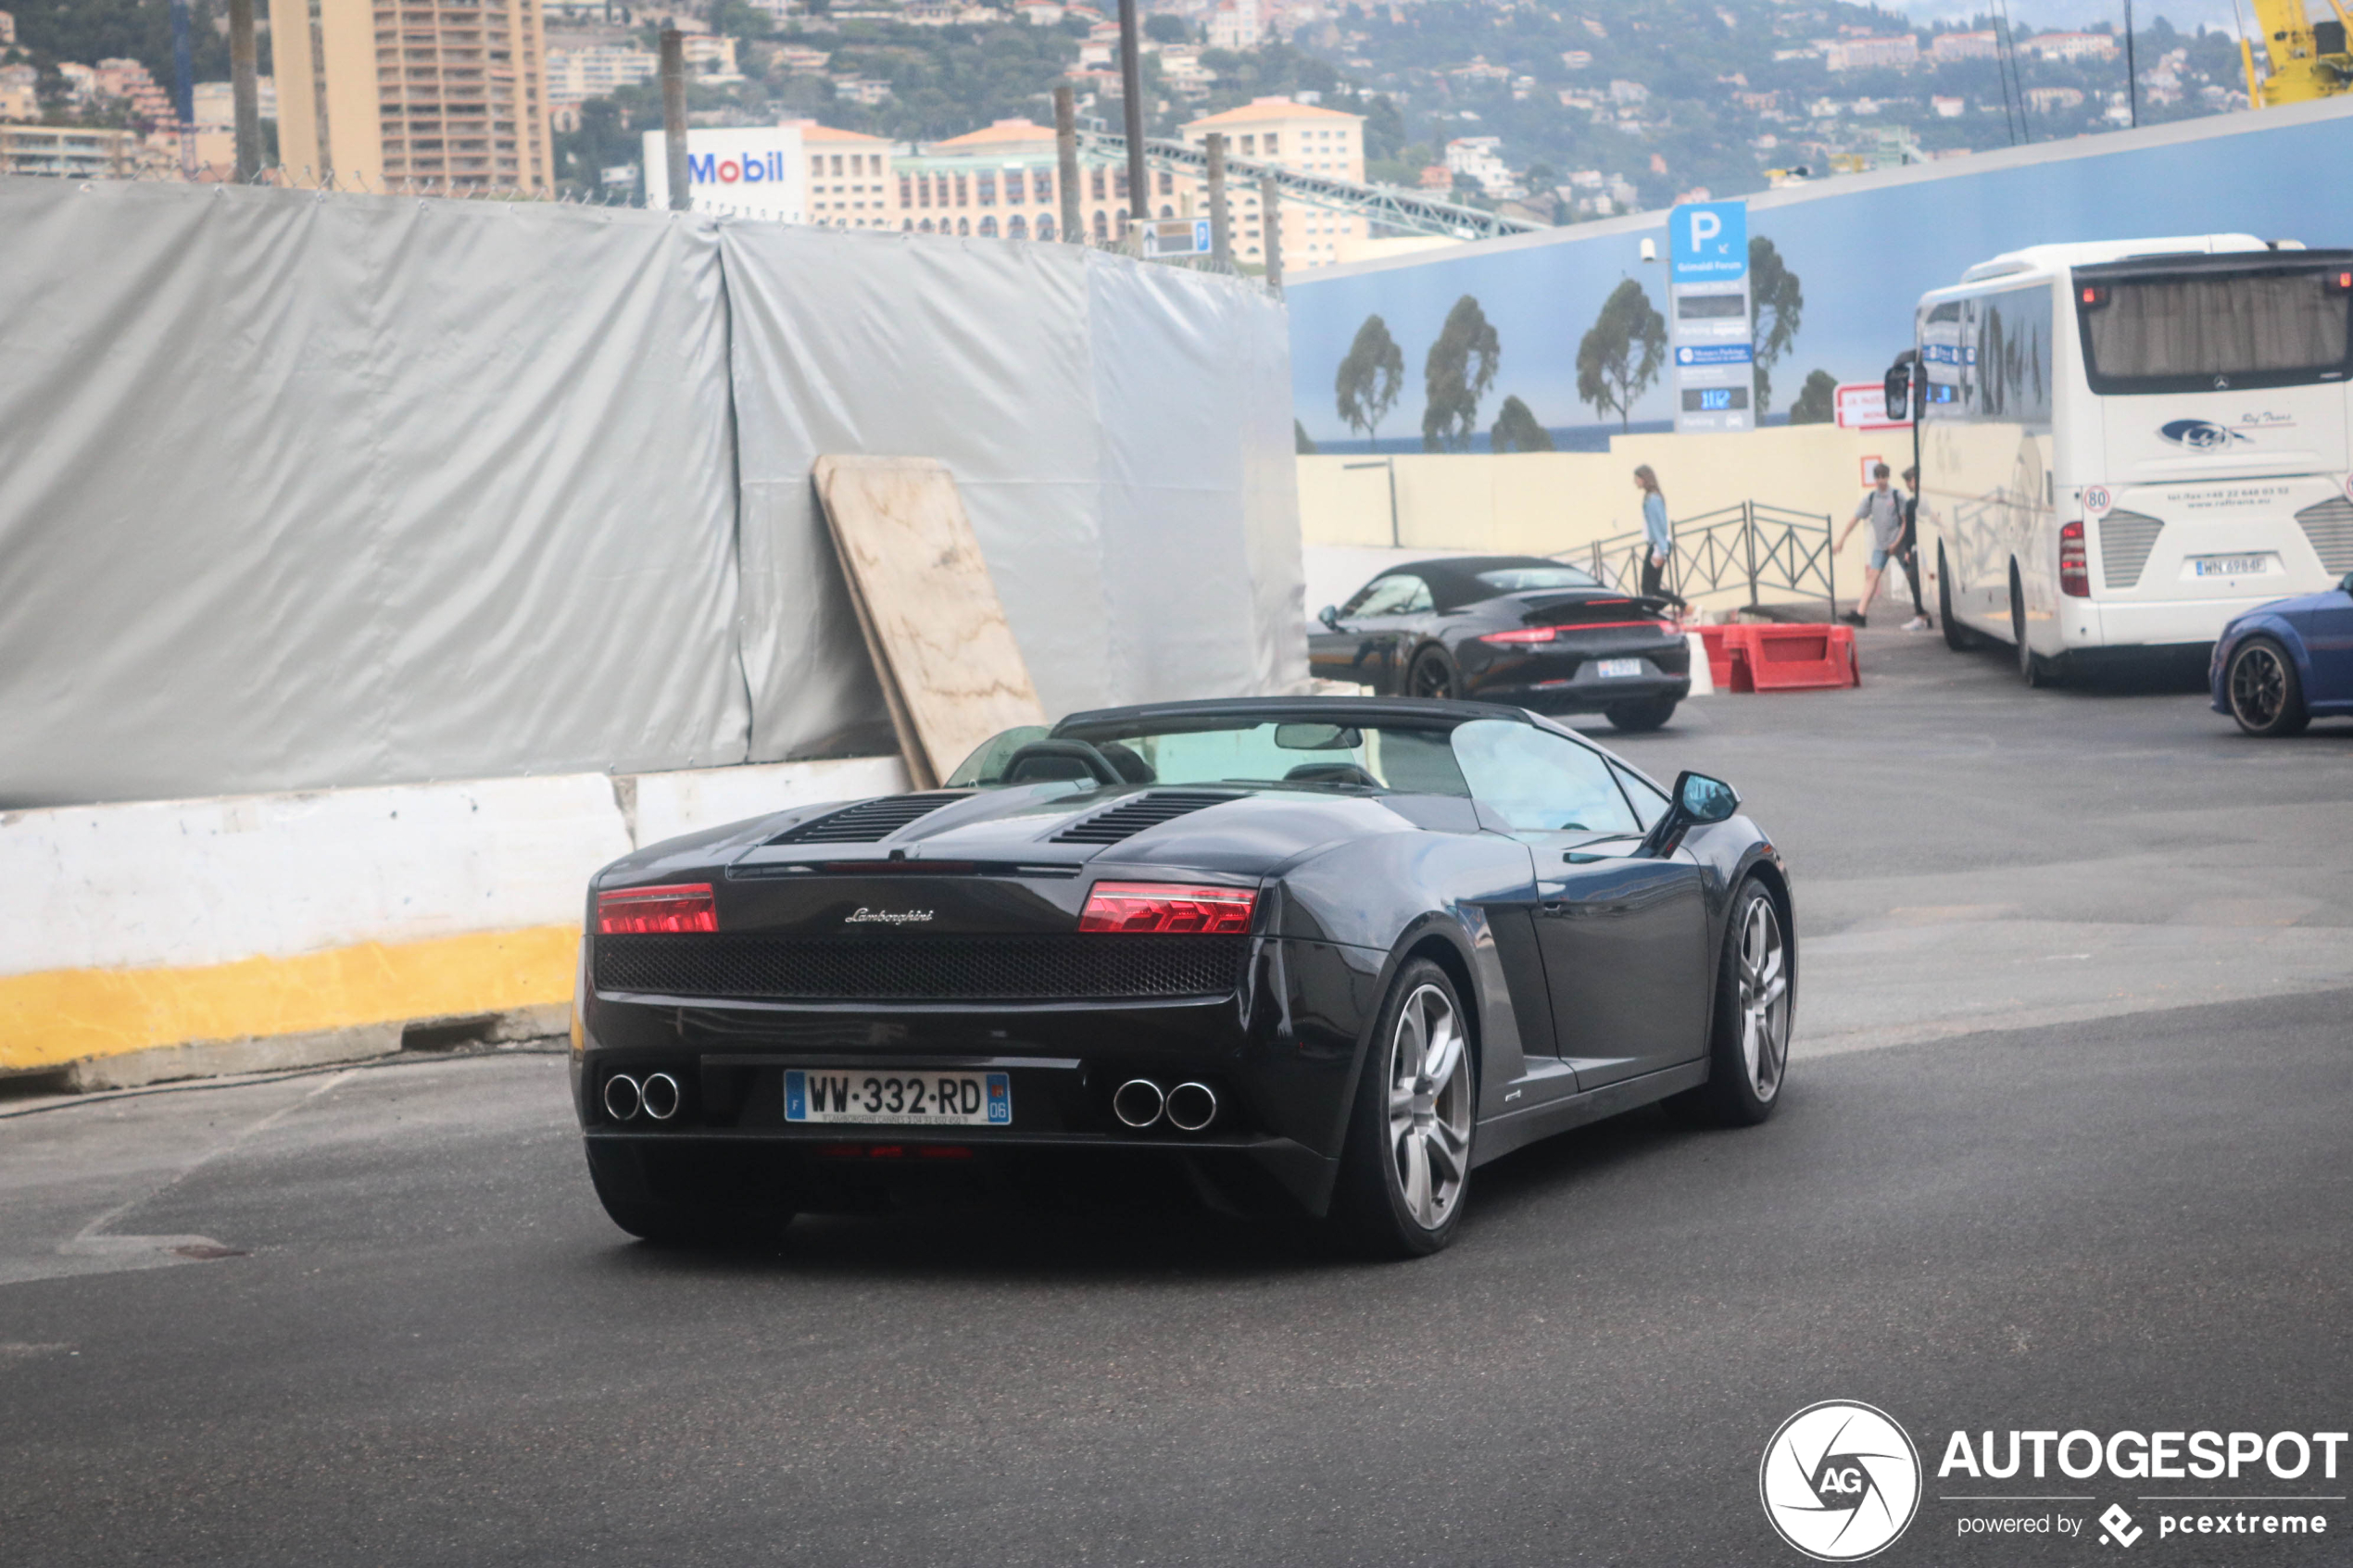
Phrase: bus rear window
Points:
(2203, 332)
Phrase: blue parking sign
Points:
(1707, 243)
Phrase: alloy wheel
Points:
(1430, 1106)
(2259, 685)
(1764, 998)
(1432, 678)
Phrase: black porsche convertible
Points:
(1518, 629)
(1327, 954)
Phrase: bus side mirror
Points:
(1897, 391)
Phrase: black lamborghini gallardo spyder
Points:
(1332, 954)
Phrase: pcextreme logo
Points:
(1840, 1481)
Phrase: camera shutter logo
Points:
(1841, 1481)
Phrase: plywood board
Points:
(951, 670)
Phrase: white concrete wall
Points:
(179, 883)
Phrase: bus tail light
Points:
(2075, 571)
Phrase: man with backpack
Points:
(1883, 505)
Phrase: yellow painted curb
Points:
(65, 1015)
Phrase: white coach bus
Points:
(2122, 446)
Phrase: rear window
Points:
(2211, 331)
(1523, 579)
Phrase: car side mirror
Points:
(1705, 800)
(1896, 392)
(2345, 586)
(1329, 617)
(1699, 801)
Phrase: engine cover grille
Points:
(2330, 527)
(2126, 539)
(923, 968)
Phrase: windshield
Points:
(1536, 780)
(2192, 332)
(1521, 578)
(1344, 756)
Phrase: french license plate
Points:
(899, 1099)
(1611, 669)
(2231, 565)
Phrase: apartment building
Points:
(1306, 137)
(597, 71)
(1002, 182)
(72, 151)
(850, 177)
(425, 95)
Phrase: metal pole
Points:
(1066, 163)
(1221, 224)
(1830, 568)
(674, 115)
(183, 88)
(1131, 87)
(2132, 75)
(1270, 223)
(1748, 533)
(1394, 541)
(245, 92)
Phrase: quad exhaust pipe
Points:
(1141, 1103)
(621, 1097)
(1191, 1107)
(659, 1097)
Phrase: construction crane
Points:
(1385, 205)
(2307, 59)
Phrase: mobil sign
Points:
(755, 171)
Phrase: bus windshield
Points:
(2195, 331)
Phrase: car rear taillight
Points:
(2075, 571)
(1524, 634)
(632, 911)
(1168, 909)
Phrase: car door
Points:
(1623, 937)
(1383, 616)
(2327, 642)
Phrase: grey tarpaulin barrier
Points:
(1121, 435)
(304, 491)
(301, 491)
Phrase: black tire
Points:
(1741, 1091)
(684, 1198)
(1372, 1205)
(1958, 637)
(1637, 717)
(2264, 691)
(1434, 675)
(2032, 668)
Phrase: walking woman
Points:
(1662, 538)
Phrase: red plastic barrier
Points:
(1792, 658)
(1719, 656)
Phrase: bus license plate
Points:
(899, 1099)
(2233, 565)
(1615, 669)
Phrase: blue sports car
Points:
(2281, 665)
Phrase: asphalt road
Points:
(2065, 1146)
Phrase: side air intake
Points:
(2330, 527)
(868, 821)
(2126, 539)
(1131, 817)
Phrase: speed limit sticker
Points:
(2096, 498)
